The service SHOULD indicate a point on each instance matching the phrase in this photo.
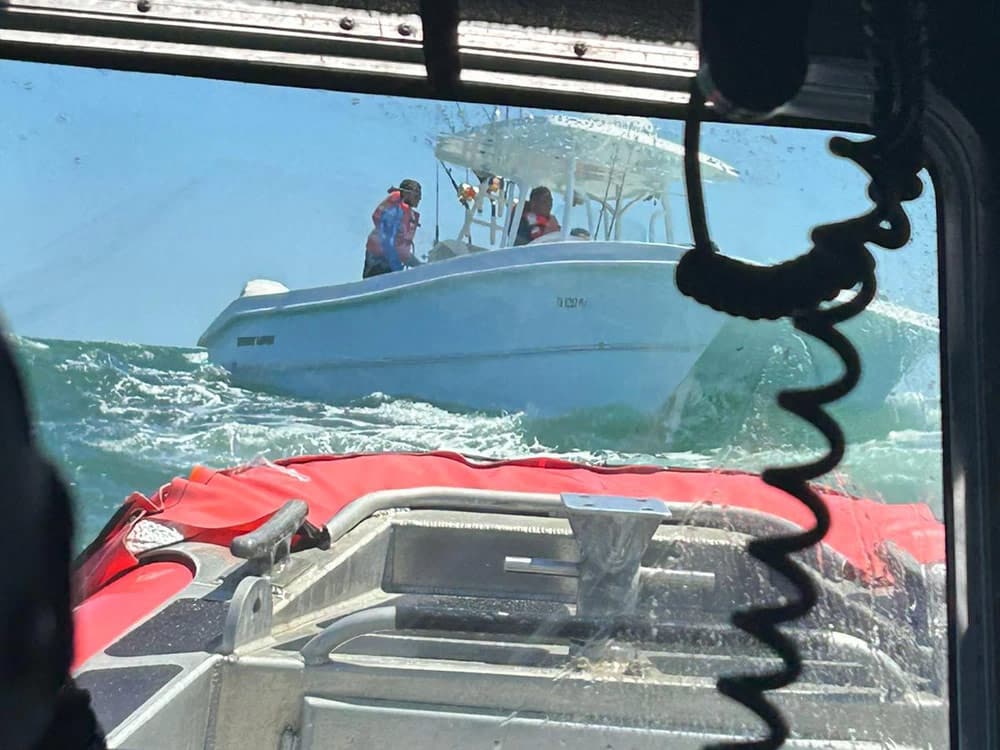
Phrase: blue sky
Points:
(135, 206)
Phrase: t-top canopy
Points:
(620, 154)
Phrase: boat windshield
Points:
(207, 273)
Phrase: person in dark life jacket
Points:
(390, 243)
(537, 219)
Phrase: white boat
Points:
(578, 319)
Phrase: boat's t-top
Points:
(607, 164)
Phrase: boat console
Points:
(485, 619)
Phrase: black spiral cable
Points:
(839, 261)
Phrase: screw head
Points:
(405, 29)
(143, 6)
(346, 23)
(580, 49)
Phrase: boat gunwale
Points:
(233, 312)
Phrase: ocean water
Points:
(119, 418)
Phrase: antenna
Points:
(437, 204)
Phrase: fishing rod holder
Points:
(612, 534)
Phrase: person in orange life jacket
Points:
(537, 219)
(390, 243)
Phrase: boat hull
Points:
(545, 330)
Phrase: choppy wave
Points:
(119, 418)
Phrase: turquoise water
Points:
(119, 418)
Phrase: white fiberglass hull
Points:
(546, 330)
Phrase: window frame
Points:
(585, 72)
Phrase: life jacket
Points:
(396, 224)
(534, 226)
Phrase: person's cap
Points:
(410, 186)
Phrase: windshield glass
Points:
(218, 274)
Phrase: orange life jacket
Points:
(534, 226)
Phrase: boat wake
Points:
(119, 418)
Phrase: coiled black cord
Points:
(839, 261)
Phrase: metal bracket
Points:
(270, 544)
(612, 534)
(249, 616)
